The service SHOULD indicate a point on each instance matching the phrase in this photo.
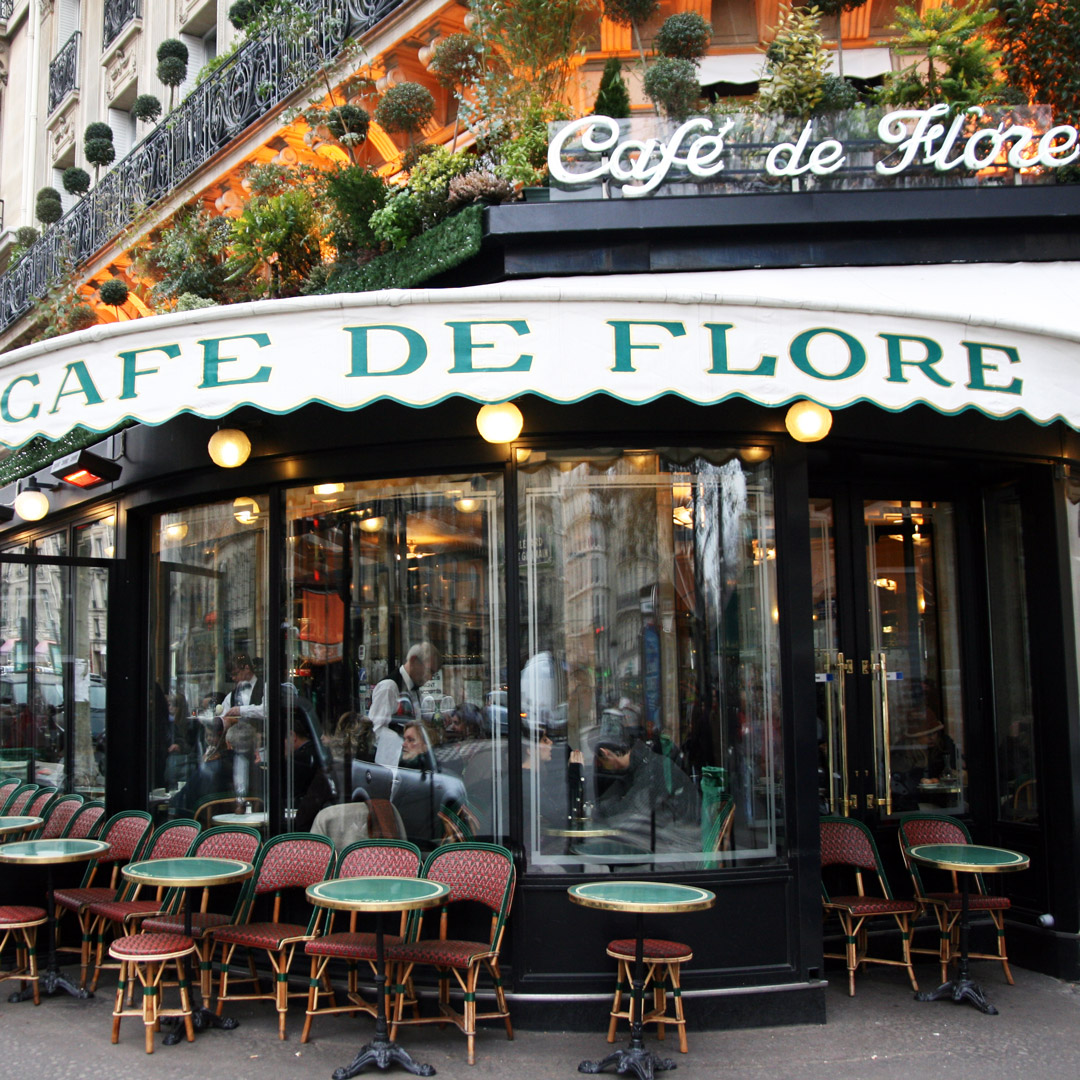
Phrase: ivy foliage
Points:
(1040, 45)
(955, 61)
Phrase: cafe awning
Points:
(1002, 339)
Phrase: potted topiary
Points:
(172, 56)
(671, 84)
(98, 145)
(114, 293)
(147, 108)
(47, 207)
(76, 181)
(612, 98)
(405, 108)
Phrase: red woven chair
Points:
(847, 843)
(38, 804)
(367, 858)
(289, 861)
(86, 821)
(918, 829)
(18, 925)
(480, 873)
(126, 834)
(147, 957)
(120, 915)
(7, 789)
(222, 842)
(20, 799)
(57, 816)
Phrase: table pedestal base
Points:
(960, 990)
(382, 1053)
(202, 1019)
(50, 982)
(637, 1060)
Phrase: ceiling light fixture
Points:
(807, 421)
(229, 447)
(500, 423)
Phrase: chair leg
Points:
(151, 989)
(470, 1012)
(500, 996)
(185, 997)
(616, 1005)
(118, 1008)
(675, 976)
(999, 925)
(659, 1000)
(905, 931)
(313, 994)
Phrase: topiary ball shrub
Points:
(837, 95)
(98, 144)
(26, 235)
(76, 181)
(628, 12)
(406, 108)
(348, 124)
(48, 207)
(98, 130)
(146, 107)
(685, 35)
(672, 86)
(458, 60)
(172, 58)
(113, 292)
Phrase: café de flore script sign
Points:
(938, 144)
(1002, 339)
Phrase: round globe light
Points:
(31, 505)
(500, 423)
(246, 510)
(229, 447)
(807, 421)
(372, 524)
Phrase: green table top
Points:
(13, 823)
(52, 851)
(976, 858)
(188, 871)
(377, 893)
(641, 896)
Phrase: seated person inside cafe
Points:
(645, 795)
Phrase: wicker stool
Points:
(146, 957)
(21, 923)
(661, 960)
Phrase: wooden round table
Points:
(187, 873)
(966, 859)
(640, 898)
(50, 853)
(379, 895)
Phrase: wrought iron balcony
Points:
(64, 72)
(261, 74)
(118, 13)
(6, 8)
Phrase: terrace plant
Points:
(836, 9)
(98, 145)
(671, 84)
(354, 194)
(47, 206)
(634, 14)
(76, 181)
(457, 63)
(612, 97)
(172, 57)
(404, 109)
(147, 108)
(793, 83)
(114, 294)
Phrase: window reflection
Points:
(395, 716)
(208, 721)
(649, 686)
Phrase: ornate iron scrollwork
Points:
(118, 13)
(261, 74)
(64, 72)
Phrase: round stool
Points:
(146, 957)
(21, 923)
(662, 961)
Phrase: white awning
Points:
(745, 68)
(1002, 339)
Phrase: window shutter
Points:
(67, 20)
(196, 58)
(66, 201)
(123, 128)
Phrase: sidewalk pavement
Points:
(880, 1034)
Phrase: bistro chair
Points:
(716, 832)
(848, 845)
(929, 828)
(19, 798)
(222, 804)
(368, 858)
(146, 957)
(7, 788)
(292, 861)
(476, 872)
(38, 804)
(86, 821)
(170, 841)
(662, 963)
(57, 816)
(126, 834)
(221, 842)
(18, 926)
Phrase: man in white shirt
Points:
(395, 701)
(245, 701)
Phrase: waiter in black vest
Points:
(245, 701)
(395, 701)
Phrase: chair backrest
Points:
(288, 861)
(847, 842)
(39, 802)
(474, 871)
(7, 788)
(57, 816)
(379, 858)
(86, 820)
(228, 842)
(716, 831)
(126, 834)
(18, 799)
(930, 828)
(172, 840)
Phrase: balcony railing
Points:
(118, 13)
(6, 8)
(261, 74)
(64, 72)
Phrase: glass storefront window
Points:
(207, 709)
(395, 709)
(650, 692)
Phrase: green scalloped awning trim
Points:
(39, 452)
(441, 248)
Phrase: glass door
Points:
(888, 658)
